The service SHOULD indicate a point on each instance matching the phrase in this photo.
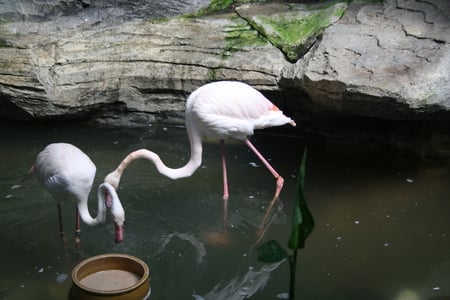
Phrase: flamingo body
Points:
(68, 173)
(231, 109)
(220, 110)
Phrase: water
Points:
(382, 226)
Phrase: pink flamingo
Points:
(220, 110)
(68, 174)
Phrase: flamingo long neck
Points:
(112, 202)
(187, 170)
(83, 209)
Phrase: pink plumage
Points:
(220, 110)
(231, 109)
(68, 173)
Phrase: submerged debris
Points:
(60, 278)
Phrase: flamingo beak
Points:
(118, 233)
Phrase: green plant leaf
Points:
(271, 252)
(303, 221)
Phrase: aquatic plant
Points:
(302, 226)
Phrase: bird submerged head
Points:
(112, 201)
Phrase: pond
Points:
(382, 219)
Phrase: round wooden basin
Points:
(110, 276)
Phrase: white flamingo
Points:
(68, 174)
(220, 110)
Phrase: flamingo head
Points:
(118, 214)
(112, 202)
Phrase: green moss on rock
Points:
(293, 28)
(220, 5)
(239, 36)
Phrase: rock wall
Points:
(137, 70)
(115, 63)
(387, 61)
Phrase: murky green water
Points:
(382, 221)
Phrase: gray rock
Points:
(57, 69)
(31, 10)
(131, 63)
(388, 62)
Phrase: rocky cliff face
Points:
(389, 61)
(324, 64)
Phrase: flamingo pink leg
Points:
(225, 182)
(224, 171)
(77, 223)
(280, 182)
(278, 178)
